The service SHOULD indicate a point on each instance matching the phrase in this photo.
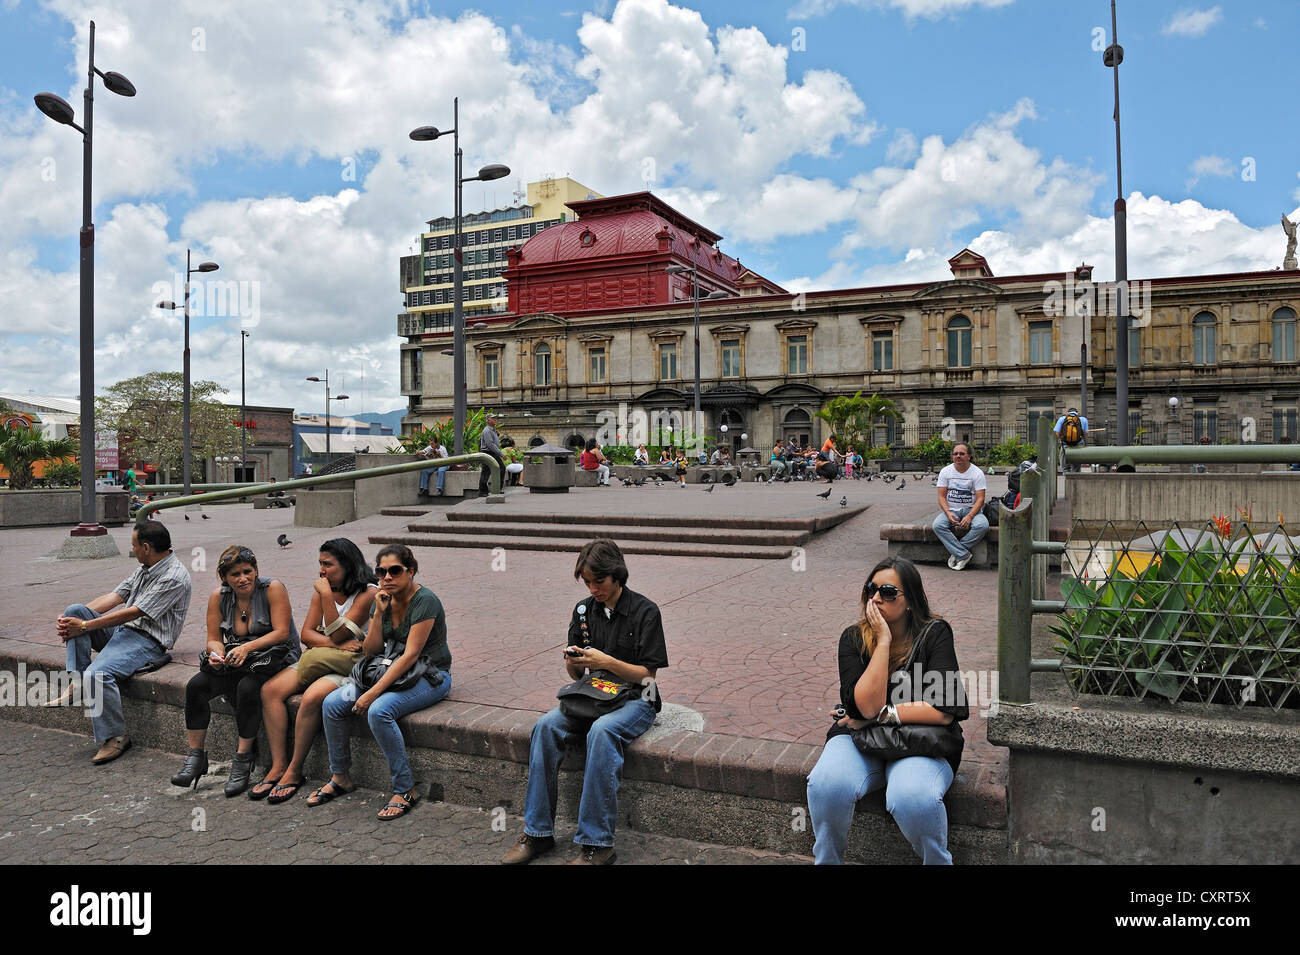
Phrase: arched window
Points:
(536, 440)
(1284, 327)
(542, 365)
(797, 424)
(1204, 351)
(959, 333)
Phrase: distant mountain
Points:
(392, 419)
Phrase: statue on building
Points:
(1289, 227)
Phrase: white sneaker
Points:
(962, 562)
(951, 558)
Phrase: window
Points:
(959, 330)
(1040, 343)
(1203, 347)
(596, 366)
(1134, 346)
(1039, 409)
(542, 365)
(1284, 325)
(1285, 414)
(668, 361)
(882, 351)
(1205, 425)
(1135, 425)
(492, 370)
(731, 358)
(796, 350)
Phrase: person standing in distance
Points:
(489, 443)
(1072, 430)
(620, 632)
(961, 507)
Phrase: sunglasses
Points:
(394, 570)
(241, 556)
(888, 592)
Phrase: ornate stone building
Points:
(599, 338)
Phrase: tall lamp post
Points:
(1083, 359)
(243, 408)
(698, 424)
(1113, 57)
(57, 109)
(185, 397)
(328, 420)
(485, 174)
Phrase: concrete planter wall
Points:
(1193, 498)
(332, 504)
(44, 507)
(1106, 780)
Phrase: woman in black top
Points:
(897, 666)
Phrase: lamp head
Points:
(1173, 402)
(493, 171)
(342, 397)
(166, 305)
(206, 267)
(117, 83)
(313, 378)
(55, 107)
(423, 134)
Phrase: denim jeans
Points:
(122, 651)
(382, 717)
(979, 526)
(442, 477)
(598, 810)
(914, 797)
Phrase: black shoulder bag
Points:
(597, 693)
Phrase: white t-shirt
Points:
(962, 487)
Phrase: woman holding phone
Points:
(409, 628)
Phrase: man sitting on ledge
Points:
(961, 523)
(134, 627)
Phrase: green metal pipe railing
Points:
(1186, 454)
(243, 490)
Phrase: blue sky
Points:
(833, 144)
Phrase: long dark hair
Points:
(357, 574)
(916, 617)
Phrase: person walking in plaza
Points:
(592, 459)
(132, 628)
(407, 668)
(896, 635)
(616, 647)
(489, 443)
(1072, 430)
(961, 523)
(251, 637)
(434, 449)
(333, 634)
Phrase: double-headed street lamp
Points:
(485, 174)
(185, 397)
(1113, 57)
(57, 109)
(243, 409)
(328, 419)
(698, 424)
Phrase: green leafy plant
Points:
(64, 474)
(936, 452)
(1010, 452)
(851, 418)
(618, 453)
(21, 449)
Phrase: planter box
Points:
(44, 507)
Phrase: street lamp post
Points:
(328, 419)
(1113, 57)
(485, 174)
(187, 450)
(1083, 360)
(57, 109)
(698, 424)
(243, 408)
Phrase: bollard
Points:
(1015, 601)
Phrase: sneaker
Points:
(527, 849)
(595, 855)
(962, 562)
(951, 559)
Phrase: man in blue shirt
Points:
(1072, 430)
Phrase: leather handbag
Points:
(594, 695)
(265, 662)
(369, 669)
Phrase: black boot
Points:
(240, 770)
(196, 764)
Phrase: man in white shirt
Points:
(432, 451)
(961, 504)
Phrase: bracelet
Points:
(888, 716)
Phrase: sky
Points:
(833, 144)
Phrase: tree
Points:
(147, 414)
(22, 448)
(851, 418)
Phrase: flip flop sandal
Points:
(274, 800)
(323, 795)
(411, 797)
(258, 793)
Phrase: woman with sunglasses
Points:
(410, 620)
(878, 686)
(332, 633)
(251, 637)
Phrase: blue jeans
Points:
(598, 810)
(442, 476)
(979, 526)
(122, 651)
(382, 717)
(914, 797)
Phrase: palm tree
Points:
(852, 418)
(22, 448)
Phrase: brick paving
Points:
(752, 643)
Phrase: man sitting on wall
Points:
(961, 523)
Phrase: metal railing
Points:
(244, 490)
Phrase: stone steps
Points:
(620, 532)
(573, 544)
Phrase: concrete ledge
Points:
(725, 789)
(918, 543)
(43, 507)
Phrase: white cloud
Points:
(929, 9)
(1205, 166)
(1192, 22)
(904, 147)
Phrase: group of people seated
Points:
(790, 462)
(374, 646)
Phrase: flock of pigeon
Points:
(660, 478)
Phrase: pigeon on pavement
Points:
(844, 501)
(901, 484)
(283, 540)
(709, 489)
(825, 495)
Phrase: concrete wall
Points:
(1119, 781)
(43, 508)
(332, 504)
(1187, 498)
